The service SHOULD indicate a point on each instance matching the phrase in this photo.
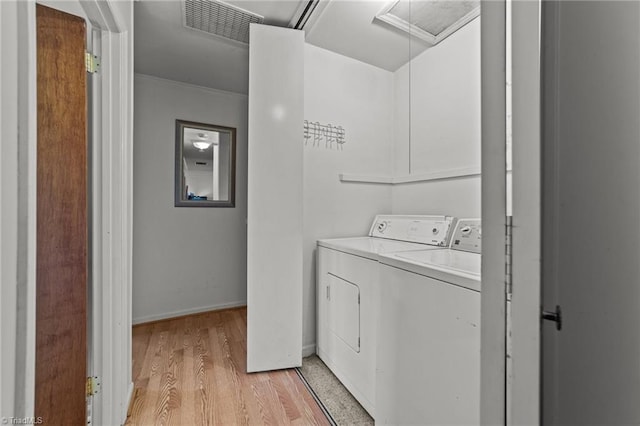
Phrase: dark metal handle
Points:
(554, 316)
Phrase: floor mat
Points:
(341, 406)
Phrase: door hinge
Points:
(93, 385)
(508, 249)
(92, 62)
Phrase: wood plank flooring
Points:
(192, 371)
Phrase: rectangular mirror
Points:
(205, 165)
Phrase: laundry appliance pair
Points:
(398, 315)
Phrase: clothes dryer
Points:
(347, 294)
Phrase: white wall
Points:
(458, 197)
(9, 175)
(445, 103)
(437, 126)
(359, 97)
(186, 259)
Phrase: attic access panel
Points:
(430, 20)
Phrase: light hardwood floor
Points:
(192, 371)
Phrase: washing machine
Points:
(428, 347)
(347, 294)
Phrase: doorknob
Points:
(554, 316)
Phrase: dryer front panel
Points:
(344, 311)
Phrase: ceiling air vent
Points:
(430, 20)
(220, 19)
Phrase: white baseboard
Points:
(127, 405)
(182, 312)
(308, 350)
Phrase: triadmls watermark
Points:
(21, 420)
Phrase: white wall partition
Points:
(274, 217)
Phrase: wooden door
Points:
(61, 256)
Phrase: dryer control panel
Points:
(467, 236)
(432, 230)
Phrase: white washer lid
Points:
(453, 266)
(371, 247)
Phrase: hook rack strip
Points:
(326, 133)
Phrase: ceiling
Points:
(166, 49)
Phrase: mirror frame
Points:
(178, 184)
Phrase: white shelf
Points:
(344, 177)
(418, 177)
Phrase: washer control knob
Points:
(382, 226)
(435, 231)
(466, 230)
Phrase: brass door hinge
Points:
(92, 62)
(93, 385)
